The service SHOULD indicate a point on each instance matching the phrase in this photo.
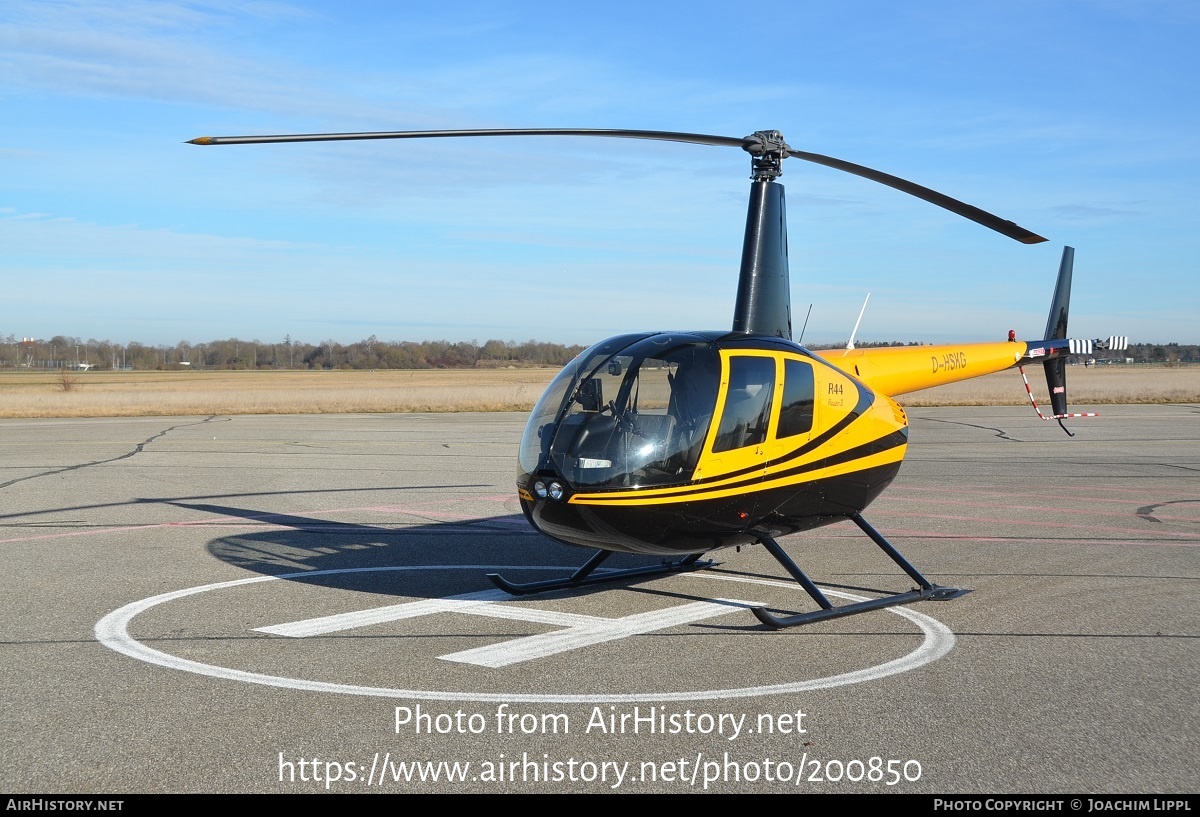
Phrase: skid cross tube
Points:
(926, 592)
(583, 577)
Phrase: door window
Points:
(796, 416)
(747, 410)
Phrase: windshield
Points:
(635, 416)
(535, 443)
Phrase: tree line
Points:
(62, 351)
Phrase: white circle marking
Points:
(112, 631)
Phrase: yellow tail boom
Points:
(894, 370)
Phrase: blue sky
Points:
(1078, 119)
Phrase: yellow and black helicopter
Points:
(679, 443)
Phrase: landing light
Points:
(556, 491)
(539, 488)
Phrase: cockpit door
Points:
(740, 438)
(766, 410)
(797, 406)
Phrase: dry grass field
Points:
(132, 394)
(1085, 386)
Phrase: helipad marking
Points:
(112, 631)
(579, 630)
(382, 615)
(597, 631)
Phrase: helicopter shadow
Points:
(423, 560)
(438, 559)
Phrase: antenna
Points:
(802, 328)
(854, 331)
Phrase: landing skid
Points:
(925, 592)
(583, 576)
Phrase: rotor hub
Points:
(767, 151)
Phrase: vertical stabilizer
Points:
(1056, 329)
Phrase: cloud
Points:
(1084, 212)
(237, 57)
(178, 53)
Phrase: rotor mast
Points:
(764, 298)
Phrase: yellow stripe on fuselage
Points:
(894, 370)
(694, 493)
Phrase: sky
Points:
(1077, 119)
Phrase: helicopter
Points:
(675, 444)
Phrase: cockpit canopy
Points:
(630, 411)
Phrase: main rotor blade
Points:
(666, 136)
(1000, 225)
(753, 144)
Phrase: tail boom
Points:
(898, 370)
(895, 370)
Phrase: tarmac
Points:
(298, 603)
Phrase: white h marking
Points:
(578, 630)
